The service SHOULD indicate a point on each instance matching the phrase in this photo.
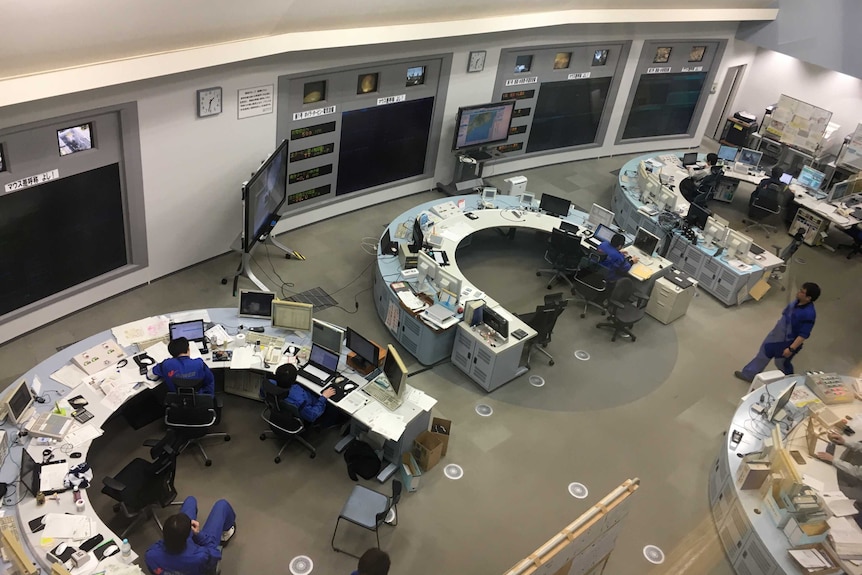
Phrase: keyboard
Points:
(143, 345)
(383, 396)
(315, 374)
(253, 338)
(50, 425)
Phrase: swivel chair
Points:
(563, 253)
(191, 414)
(707, 186)
(144, 484)
(764, 205)
(591, 286)
(543, 321)
(622, 312)
(283, 419)
(368, 509)
(786, 254)
(855, 233)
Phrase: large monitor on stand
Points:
(480, 126)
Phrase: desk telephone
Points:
(273, 355)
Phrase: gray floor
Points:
(654, 409)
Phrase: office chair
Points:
(786, 254)
(283, 419)
(368, 509)
(591, 285)
(767, 203)
(707, 186)
(855, 233)
(622, 312)
(191, 414)
(563, 253)
(144, 484)
(543, 321)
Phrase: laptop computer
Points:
(322, 365)
(192, 330)
(49, 424)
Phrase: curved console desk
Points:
(750, 538)
(727, 280)
(413, 417)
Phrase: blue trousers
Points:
(221, 518)
(766, 352)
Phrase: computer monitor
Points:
(554, 205)
(264, 194)
(750, 157)
(643, 174)
(810, 178)
(776, 410)
(667, 199)
(727, 153)
(738, 244)
(786, 178)
(418, 239)
(651, 191)
(714, 232)
(599, 215)
(478, 126)
(255, 303)
(526, 199)
(496, 322)
(646, 242)
(395, 370)
(30, 475)
(20, 404)
(366, 351)
(838, 191)
(427, 269)
(326, 335)
(387, 246)
(323, 356)
(489, 194)
(689, 158)
(292, 315)
(192, 330)
(450, 288)
(604, 234)
(697, 216)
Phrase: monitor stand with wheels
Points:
(466, 179)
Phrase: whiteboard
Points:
(797, 123)
(851, 155)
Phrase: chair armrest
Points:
(112, 483)
(150, 442)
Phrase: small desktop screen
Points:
(448, 283)
(482, 125)
(604, 234)
(192, 330)
(750, 157)
(326, 335)
(496, 322)
(782, 400)
(715, 231)
(689, 158)
(255, 303)
(75, 139)
(30, 473)
(427, 267)
(292, 315)
(323, 357)
(727, 153)
(810, 178)
(600, 215)
(418, 239)
(838, 192)
(19, 403)
(738, 243)
(697, 216)
(646, 242)
(387, 246)
(554, 205)
(786, 178)
(489, 194)
(667, 198)
(395, 370)
(363, 348)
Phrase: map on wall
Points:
(798, 124)
(851, 156)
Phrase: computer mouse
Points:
(350, 386)
(339, 379)
(61, 548)
(111, 550)
(75, 455)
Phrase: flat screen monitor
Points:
(255, 303)
(479, 126)
(839, 190)
(643, 174)
(192, 330)
(714, 232)
(750, 157)
(667, 199)
(264, 194)
(600, 215)
(326, 335)
(387, 246)
(324, 357)
(727, 153)
(786, 178)
(646, 242)
(450, 283)
(395, 370)
(75, 139)
(555, 205)
(738, 244)
(775, 411)
(689, 158)
(526, 199)
(697, 216)
(664, 104)
(604, 234)
(489, 194)
(2, 160)
(292, 315)
(651, 191)
(20, 403)
(810, 178)
(496, 322)
(30, 476)
(427, 267)
(418, 238)
(364, 349)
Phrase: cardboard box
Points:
(410, 472)
(806, 533)
(827, 551)
(751, 475)
(442, 428)
(427, 449)
(775, 508)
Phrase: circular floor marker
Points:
(653, 554)
(582, 355)
(484, 410)
(301, 565)
(537, 380)
(453, 471)
(578, 490)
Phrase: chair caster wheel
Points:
(604, 313)
(583, 315)
(262, 436)
(544, 345)
(208, 463)
(224, 281)
(551, 362)
(613, 338)
(277, 459)
(527, 365)
(227, 437)
(634, 339)
(538, 274)
(116, 508)
(312, 455)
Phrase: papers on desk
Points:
(810, 559)
(846, 537)
(813, 482)
(159, 351)
(739, 264)
(383, 421)
(69, 375)
(641, 271)
(838, 504)
(65, 526)
(190, 315)
(455, 231)
(51, 477)
(419, 398)
(141, 330)
(242, 358)
(82, 434)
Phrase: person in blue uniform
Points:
(189, 548)
(182, 366)
(786, 338)
(312, 408)
(616, 261)
(373, 562)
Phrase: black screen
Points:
(29, 475)
(363, 348)
(496, 322)
(383, 144)
(60, 234)
(697, 216)
(664, 104)
(568, 113)
(554, 205)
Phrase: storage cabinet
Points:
(488, 366)
(711, 274)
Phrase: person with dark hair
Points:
(312, 408)
(184, 367)
(786, 338)
(616, 261)
(701, 180)
(373, 562)
(774, 178)
(189, 548)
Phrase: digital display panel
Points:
(309, 131)
(310, 173)
(517, 130)
(299, 197)
(265, 194)
(519, 95)
(311, 152)
(521, 112)
(505, 148)
(415, 76)
(485, 124)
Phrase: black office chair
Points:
(623, 313)
(786, 254)
(564, 253)
(591, 285)
(765, 204)
(283, 419)
(144, 484)
(368, 509)
(543, 321)
(855, 233)
(191, 414)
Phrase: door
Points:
(725, 99)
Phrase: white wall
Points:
(192, 168)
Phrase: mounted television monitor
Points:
(750, 157)
(75, 139)
(479, 126)
(264, 194)
(366, 351)
(646, 242)
(697, 216)
(19, 403)
(727, 153)
(599, 215)
(738, 244)
(689, 159)
(254, 303)
(326, 335)
(292, 315)
(554, 205)
(496, 322)
(810, 178)
(395, 370)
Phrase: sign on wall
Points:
(32, 181)
(255, 101)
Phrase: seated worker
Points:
(184, 367)
(373, 562)
(312, 408)
(845, 466)
(189, 548)
(701, 180)
(616, 261)
(774, 178)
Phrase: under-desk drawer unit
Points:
(734, 531)
(723, 503)
(692, 261)
(755, 559)
(243, 383)
(410, 332)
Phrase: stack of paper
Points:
(846, 537)
(838, 504)
(811, 560)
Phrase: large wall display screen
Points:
(568, 113)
